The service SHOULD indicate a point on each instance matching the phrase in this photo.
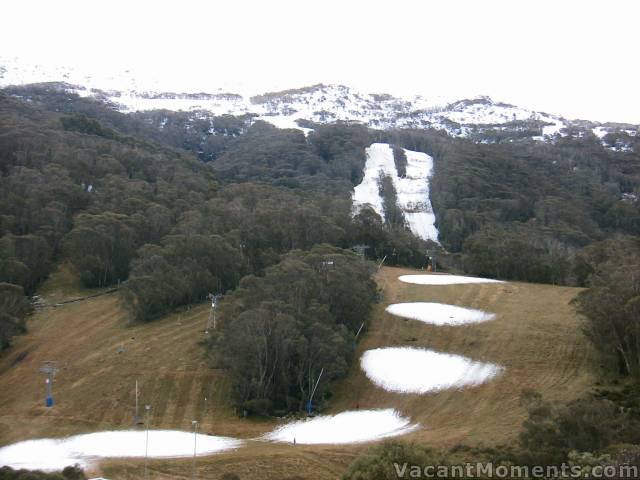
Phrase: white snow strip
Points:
(347, 427)
(55, 454)
(551, 130)
(412, 191)
(413, 195)
(284, 122)
(418, 370)
(379, 159)
(439, 313)
(436, 279)
(600, 132)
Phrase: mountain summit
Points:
(479, 119)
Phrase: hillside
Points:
(480, 119)
(539, 343)
(491, 196)
(142, 216)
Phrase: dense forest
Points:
(526, 210)
(173, 206)
(125, 207)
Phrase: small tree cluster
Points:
(278, 331)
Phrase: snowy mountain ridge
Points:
(480, 119)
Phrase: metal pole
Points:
(313, 392)
(212, 321)
(195, 444)
(382, 262)
(359, 330)
(49, 383)
(49, 368)
(137, 419)
(146, 444)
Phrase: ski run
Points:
(412, 190)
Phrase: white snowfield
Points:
(413, 195)
(554, 129)
(440, 279)
(439, 313)
(412, 191)
(354, 426)
(84, 450)
(482, 113)
(418, 370)
(132, 90)
(379, 159)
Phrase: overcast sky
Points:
(575, 58)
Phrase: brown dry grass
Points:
(535, 335)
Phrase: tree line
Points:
(68, 473)
(525, 210)
(84, 184)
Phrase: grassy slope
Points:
(535, 335)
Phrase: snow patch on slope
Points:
(600, 132)
(379, 159)
(554, 129)
(439, 279)
(346, 427)
(620, 143)
(418, 370)
(412, 191)
(484, 111)
(439, 313)
(55, 454)
(413, 195)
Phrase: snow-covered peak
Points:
(480, 119)
(483, 110)
(317, 103)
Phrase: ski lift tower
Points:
(211, 322)
(360, 250)
(313, 392)
(431, 257)
(49, 369)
